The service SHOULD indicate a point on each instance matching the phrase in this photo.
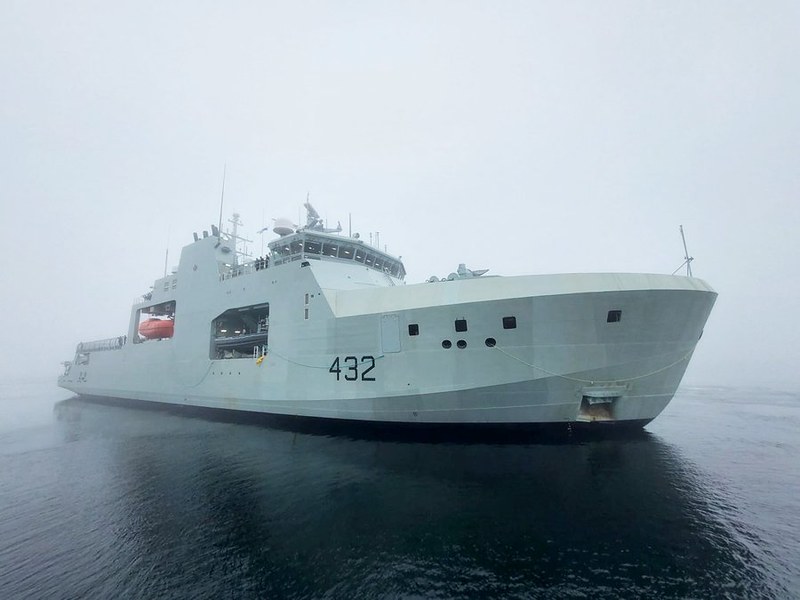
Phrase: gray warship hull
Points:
(331, 338)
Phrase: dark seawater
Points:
(105, 502)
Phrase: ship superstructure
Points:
(324, 326)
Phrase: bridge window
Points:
(282, 251)
(310, 246)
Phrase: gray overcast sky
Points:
(523, 137)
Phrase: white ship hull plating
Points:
(608, 348)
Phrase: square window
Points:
(509, 322)
(413, 329)
(614, 316)
(461, 324)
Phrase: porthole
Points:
(461, 344)
(491, 342)
(447, 344)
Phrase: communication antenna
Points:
(221, 200)
(166, 257)
(687, 259)
(263, 228)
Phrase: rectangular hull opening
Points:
(240, 332)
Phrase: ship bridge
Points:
(316, 245)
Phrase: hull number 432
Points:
(351, 369)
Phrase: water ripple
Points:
(109, 502)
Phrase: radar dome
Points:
(283, 227)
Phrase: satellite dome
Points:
(283, 227)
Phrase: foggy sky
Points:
(523, 137)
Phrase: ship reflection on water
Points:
(201, 508)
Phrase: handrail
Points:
(245, 269)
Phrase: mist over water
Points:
(99, 501)
(523, 138)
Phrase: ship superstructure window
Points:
(413, 329)
(281, 253)
(306, 307)
(240, 332)
(614, 316)
(509, 322)
(461, 324)
(155, 322)
(310, 245)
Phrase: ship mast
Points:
(233, 235)
(222, 200)
(687, 260)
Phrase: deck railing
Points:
(245, 268)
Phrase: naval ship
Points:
(325, 327)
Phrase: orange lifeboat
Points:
(154, 329)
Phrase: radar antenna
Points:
(687, 259)
(314, 221)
